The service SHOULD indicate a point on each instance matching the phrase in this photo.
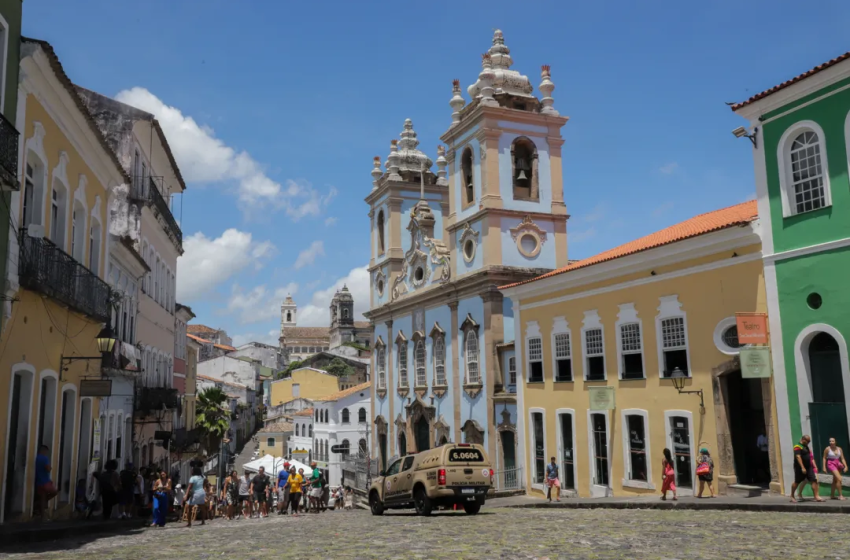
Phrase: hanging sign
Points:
(602, 398)
(95, 387)
(752, 328)
(755, 362)
(96, 440)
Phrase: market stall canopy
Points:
(274, 465)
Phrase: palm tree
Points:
(213, 417)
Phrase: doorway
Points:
(382, 445)
(827, 411)
(745, 409)
(422, 434)
(568, 481)
(680, 436)
(402, 443)
(17, 444)
(599, 448)
(509, 479)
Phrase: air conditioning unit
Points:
(35, 230)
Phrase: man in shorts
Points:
(245, 494)
(283, 490)
(315, 487)
(804, 470)
(260, 491)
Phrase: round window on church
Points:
(529, 244)
(419, 274)
(469, 250)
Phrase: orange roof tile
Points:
(305, 412)
(345, 392)
(203, 329)
(199, 339)
(225, 347)
(737, 215)
(792, 81)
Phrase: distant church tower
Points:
(288, 311)
(342, 318)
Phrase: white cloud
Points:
(309, 255)
(258, 304)
(669, 168)
(205, 158)
(272, 337)
(330, 221)
(206, 263)
(317, 314)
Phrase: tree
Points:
(289, 369)
(212, 417)
(339, 368)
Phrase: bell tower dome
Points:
(288, 311)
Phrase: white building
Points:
(268, 355)
(340, 419)
(300, 446)
(232, 370)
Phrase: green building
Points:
(801, 135)
(10, 47)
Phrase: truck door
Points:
(405, 480)
(391, 480)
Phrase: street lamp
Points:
(678, 377)
(105, 340)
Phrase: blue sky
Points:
(275, 110)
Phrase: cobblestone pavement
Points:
(494, 533)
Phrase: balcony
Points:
(43, 267)
(145, 189)
(152, 399)
(8, 156)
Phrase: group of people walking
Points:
(806, 469)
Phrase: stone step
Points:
(745, 490)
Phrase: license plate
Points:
(467, 491)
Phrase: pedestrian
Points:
(805, 470)
(196, 495)
(139, 491)
(834, 463)
(705, 471)
(230, 494)
(315, 488)
(110, 485)
(295, 482)
(179, 498)
(126, 494)
(669, 475)
(552, 481)
(325, 493)
(161, 491)
(44, 487)
(283, 490)
(260, 491)
(245, 495)
(349, 499)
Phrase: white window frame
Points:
(668, 414)
(532, 331)
(512, 378)
(560, 326)
(531, 412)
(560, 441)
(720, 330)
(591, 322)
(626, 316)
(627, 457)
(598, 490)
(439, 360)
(420, 366)
(670, 307)
(783, 157)
(471, 358)
(402, 365)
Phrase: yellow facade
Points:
(305, 383)
(44, 403)
(704, 285)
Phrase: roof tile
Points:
(345, 392)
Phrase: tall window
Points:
(419, 351)
(382, 368)
(380, 227)
(58, 205)
(345, 416)
(472, 373)
(466, 175)
(595, 352)
(94, 247)
(402, 363)
(30, 214)
(78, 231)
(567, 451)
(563, 362)
(535, 359)
(673, 345)
(512, 371)
(539, 447)
(637, 447)
(599, 430)
(361, 416)
(631, 351)
(524, 163)
(297, 430)
(439, 361)
(807, 173)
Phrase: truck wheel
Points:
(472, 508)
(422, 502)
(375, 504)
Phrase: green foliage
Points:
(289, 369)
(213, 416)
(339, 368)
(356, 346)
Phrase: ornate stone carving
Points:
(376, 172)
(496, 76)
(528, 228)
(457, 102)
(546, 87)
(442, 431)
(441, 167)
(380, 282)
(424, 251)
(472, 432)
(468, 240)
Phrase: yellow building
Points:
(305, 383)
(273, 438)
(599, 340)
(56, 277)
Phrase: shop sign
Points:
(96, 440)
(752, 328)
(602, 398)
(755, 362)
(95, 387)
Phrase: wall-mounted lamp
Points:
(105, 340)
(678, 377)
(741, 132)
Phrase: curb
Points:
(41, 532)
(773, 508)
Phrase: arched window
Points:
(316, 414)
(326, 416)
(33, 190)
(289, 316)
(311, 431)
(804, 172)
(78, 232)
(380, 227)
(466, 175)
(344, 313)
(524, 169)
(345, 449)
(297, 430)
(94, 246)
(419, 352)
(362, 446)
(58, 210)
(382, 368)
(345, 416)
(472, 373)
(439, 360)
(361, 416)
(402, 363)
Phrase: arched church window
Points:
(419, 351)
(380, 232)
(289, 316)
(466, 175)
(524, 168)
(472, 373)
(345, 313)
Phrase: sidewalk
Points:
(763, 503)
(12, 534)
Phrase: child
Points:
(669, 475)
(349, 498)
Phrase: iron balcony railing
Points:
(146, 190)
(45, 268)
(8, 155)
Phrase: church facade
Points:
(493, 213)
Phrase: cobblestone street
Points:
(495, 533)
